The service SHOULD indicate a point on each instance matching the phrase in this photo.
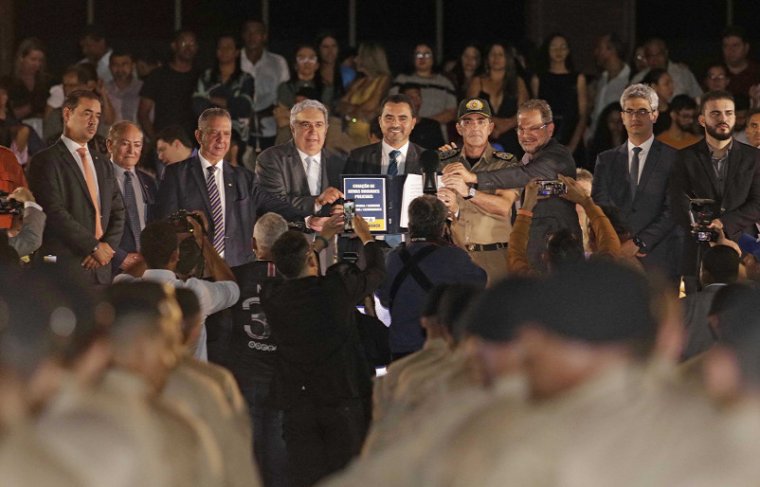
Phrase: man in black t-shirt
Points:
(169, 89)
(253, 350)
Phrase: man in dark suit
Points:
(544, 158)
(395, 154)
(321, 377)
(138, 189)
(228, 197)
(720, 169)
(77, 188)
(302, 171)
(634, 178)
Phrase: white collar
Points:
(205, 164)
(303, 155)
(645, 146)
(403, 149)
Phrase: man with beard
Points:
(681, 134)
(718, 169)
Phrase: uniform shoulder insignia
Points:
(504, 156)
(448, 154)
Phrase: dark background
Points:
(691, 29)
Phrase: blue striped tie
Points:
(216, 210)
(130, 202)
(393, 164)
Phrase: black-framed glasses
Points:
(641, 112)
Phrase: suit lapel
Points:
(650, 166)
(196, 169)
(622, 174)
(703, 154)
(375, 161)
(299, 173)
(412, 163)
(71, 165)
(100, 174)
(734, 169)
(230, 190)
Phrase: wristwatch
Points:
(471, 194)
(640, 244)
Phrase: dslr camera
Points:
(551, 187)
(702, 213)
(178, 220)
(10, 206)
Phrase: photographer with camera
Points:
(160, 250)
(25, 233)
(544, 158)
(563, 247)
(718, 169)
(321, 378)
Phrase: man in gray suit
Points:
(301, 170)
(76, 186)
(395, 154)
(634, 179)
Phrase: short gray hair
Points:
(537, 104)
(268, 229)
(304, 105)
(640, 90)
(210, 113)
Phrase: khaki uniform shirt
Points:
(206, 401)
(619, 428)
(230, 388)
(403, 464)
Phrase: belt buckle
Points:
(471, 247)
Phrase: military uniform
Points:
(205, 399)
(482, 234)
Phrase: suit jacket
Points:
(29, 238)
(367, 159)
(149, 188)
(279, 170)
(59, 186)
(737, 204)
(549, 215)
(648, 213)
(184, 187)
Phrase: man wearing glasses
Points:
(634, 179)
(544, 159)
(718, 169)
(480, 219)
(302, 171)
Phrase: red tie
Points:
(89, 178)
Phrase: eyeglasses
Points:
(474, 122)
(531, 130)
(306, 60)
(423, 55)
(717, 76)
(303, 125)
(641, 112)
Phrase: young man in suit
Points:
(225, 193)
(138, 188)
(77, 188)
(395, 154)
(719, 169)
(634, 178)
(301, 170)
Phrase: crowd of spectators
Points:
(186, 298)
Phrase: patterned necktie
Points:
(89, 179)
(216, 210)
(312, 175)
(130, 203)
(635, 170)
(393, 164)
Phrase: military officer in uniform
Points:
(480, 218)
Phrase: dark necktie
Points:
(393, 165)
(216, 209)
(635, 170)
(130, 203)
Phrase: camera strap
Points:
(411, 267)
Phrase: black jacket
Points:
(368, 159)
(319, 351)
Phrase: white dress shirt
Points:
(73, 147)
(269, 72)
(314, 179)
(219, 176)
(645, 147)
(385, 160)
(212, 296)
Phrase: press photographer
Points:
(28, 220)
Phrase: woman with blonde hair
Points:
(361, 102)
